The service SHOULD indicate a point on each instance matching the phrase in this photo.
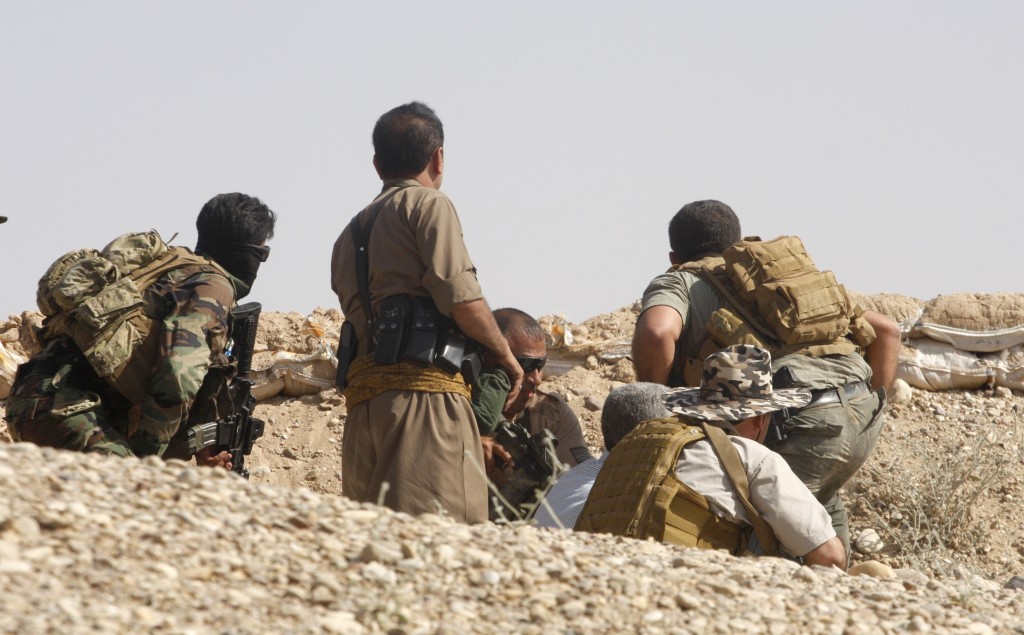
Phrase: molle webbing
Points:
(774, 297)
(367, 379)
(637, 493)
(113, 330)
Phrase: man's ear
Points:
(376, 166)
(673, 258)
(762, 427)
(438, 160)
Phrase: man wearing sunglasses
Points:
(534, 408)
(59, 400)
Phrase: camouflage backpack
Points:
(776, 298)
(96, 299)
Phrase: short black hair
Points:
(236, 218)
(703, 228)
(405, 138)
(515, 321)
(628, 406)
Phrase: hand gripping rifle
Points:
(536, 469)
(237, 432)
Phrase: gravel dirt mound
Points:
(938, 503)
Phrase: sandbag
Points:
(296, 375)
(976, 311)
(928, 364)
(9, 362)
(975, 341)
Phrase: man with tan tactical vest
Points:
(410, 296)
(703, 479)
(688, 312)
(624, 409)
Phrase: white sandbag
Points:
(296, 375)
(931, 365)
(989, 341)
(1010, 368)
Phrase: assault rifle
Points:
(536, 469)
(237, 432)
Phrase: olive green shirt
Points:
(695, 300)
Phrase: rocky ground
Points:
(89, 544)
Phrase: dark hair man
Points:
(702, 478)
(828, 440)
(58, 399)
(624, 408)
(410, 426)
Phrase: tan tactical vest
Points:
(637, 493)
(96, 299)
(776, 298)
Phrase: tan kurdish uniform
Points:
(420, 443)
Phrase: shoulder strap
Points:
(730, 459)
(361, 238)
(173, 258)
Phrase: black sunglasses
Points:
(262, 252)
(531, 364)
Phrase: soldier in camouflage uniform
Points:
(57, 400)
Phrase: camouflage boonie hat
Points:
(736, 384)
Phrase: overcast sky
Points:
(889, 136)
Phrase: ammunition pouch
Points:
(410, 328)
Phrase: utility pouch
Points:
(451, 350)
(391, 329)
(347, 345)
(423, 327)
(471, 363)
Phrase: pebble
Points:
(154, 547)
(901, 392)
(868, 542)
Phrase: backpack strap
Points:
(726, 292)
(173, 258)
(730, 459)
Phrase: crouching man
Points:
(705, 479)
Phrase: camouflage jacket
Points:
(196, 318)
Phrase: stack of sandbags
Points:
(965, 340)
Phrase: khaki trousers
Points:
(422, 445)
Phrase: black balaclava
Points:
(240, 259)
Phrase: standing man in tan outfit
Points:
(410, 438)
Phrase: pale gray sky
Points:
(889, 136)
